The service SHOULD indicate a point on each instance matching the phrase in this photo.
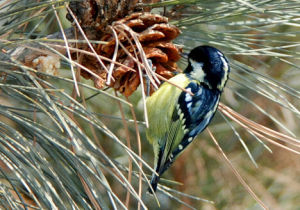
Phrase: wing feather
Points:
(162, 131)
(198, 112)
(176, 117)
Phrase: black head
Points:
(209, 65)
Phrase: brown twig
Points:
(68, 50)
(172, 83)
(139, 65)
(129, 146)
(139, 151)
(92, 54)
(236, 173)
(87, 40)
(260, 130)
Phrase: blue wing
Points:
(198, 111)
(200, 108)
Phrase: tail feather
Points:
(153, 182)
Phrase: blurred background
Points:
(61, 150)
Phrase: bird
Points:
(176, 116)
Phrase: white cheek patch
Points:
(197, 72)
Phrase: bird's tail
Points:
(153, 182)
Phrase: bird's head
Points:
(208, 65)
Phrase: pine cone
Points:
(95, 15)
(155, 36)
